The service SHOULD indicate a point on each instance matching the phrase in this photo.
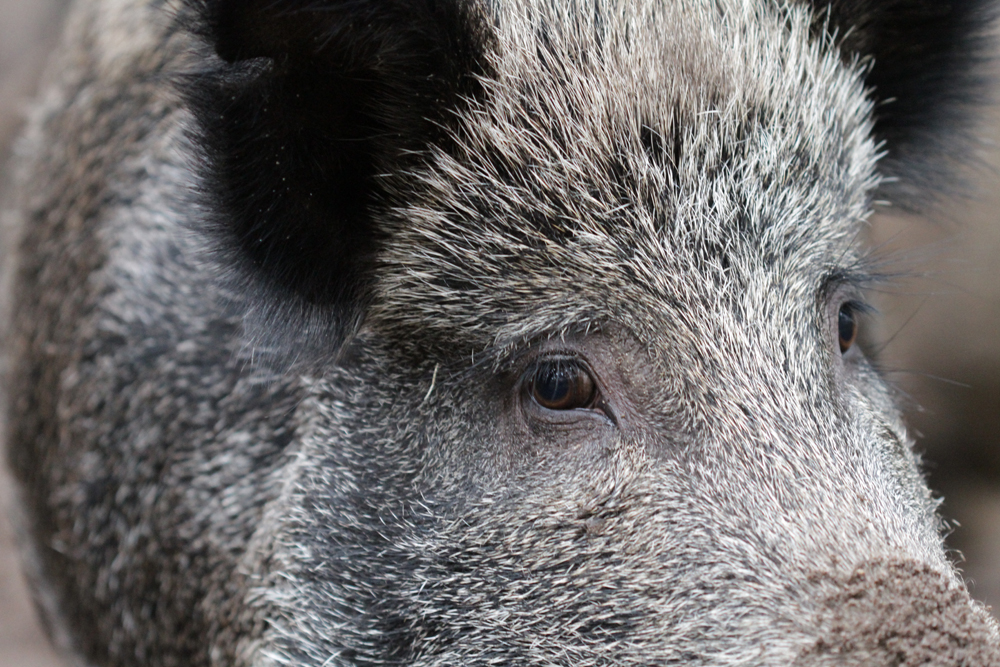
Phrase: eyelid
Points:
(850, 281)
(859, 306)
(842, 287)
(531, 368)
(553, 356)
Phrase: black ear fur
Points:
(308, 103)
(927, 73)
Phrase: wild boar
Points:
(468, 332)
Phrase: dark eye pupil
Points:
(847, 325)
(552, 387)
(562, 385)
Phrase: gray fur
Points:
(752, 500)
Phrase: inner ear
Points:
(311, 107)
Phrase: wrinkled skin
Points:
(459, 334)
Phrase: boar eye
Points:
(562, 384)
(847, 327)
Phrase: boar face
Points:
(558, 306)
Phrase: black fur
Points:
(927, 72)
(310, 103)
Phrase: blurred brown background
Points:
(939, 333)
(28, 29)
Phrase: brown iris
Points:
(847, 327)
(562, 384)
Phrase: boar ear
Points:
(927, 73)
(304, 106)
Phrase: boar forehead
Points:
(610, 161)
